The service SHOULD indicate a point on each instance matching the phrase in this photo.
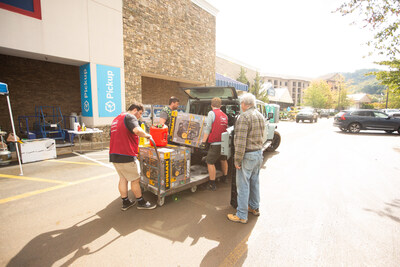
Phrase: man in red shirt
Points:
(216, 124)
(124, 148)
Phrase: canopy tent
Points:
(4, 91)
(221, 80)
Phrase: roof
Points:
(362, 98)
(281, 95)
(221, 80)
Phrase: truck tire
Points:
(276, 141)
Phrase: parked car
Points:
(324, 113)
(199, 103)
(395, 113)
(354, 121)
(307, 114)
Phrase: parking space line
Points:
(236, 253)
(36, 192)
(99, 162)
(73, 162)
(32, 179)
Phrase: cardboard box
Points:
(187, 128)
(175, 166)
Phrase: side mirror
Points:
(270, 115)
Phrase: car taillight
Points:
(342, 118)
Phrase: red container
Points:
(160, 135)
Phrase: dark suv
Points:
(365, 119)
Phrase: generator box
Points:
(175, 166)
(187, 128)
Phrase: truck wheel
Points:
(193, 189)
(276, 141)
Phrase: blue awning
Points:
(221, 80)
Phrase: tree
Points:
(318, 95)
(391, 79)
(256, 89)
(341, 102)
(382, 17)
(242, 76)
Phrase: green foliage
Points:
(381, 17)
(391, 79)
(242, 76)
(318, 95)
(256, 89)
(367, 106)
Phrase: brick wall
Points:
(158, 91)
(175, 39)
(34, 82)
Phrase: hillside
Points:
(359, 82)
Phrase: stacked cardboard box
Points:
(187, 128)
(175, 166)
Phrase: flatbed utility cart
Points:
(166, 171)
(197, 177)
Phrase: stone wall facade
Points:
(174, 40)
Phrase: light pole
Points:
(387, 97)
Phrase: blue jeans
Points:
(247, 183)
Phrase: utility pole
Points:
(387, 97)
(338, 102)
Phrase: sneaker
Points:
(234, 218)
(212, 187)
(126, 205)
(146, 206)
(256, 212)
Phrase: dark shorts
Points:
(214, 154)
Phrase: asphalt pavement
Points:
(327, 199)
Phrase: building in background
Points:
(358, 100)
(230, 67)
(334, 80)
(295, 85)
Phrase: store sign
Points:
(86, 90)
(3, 89)
(26, 7)
(108, 90)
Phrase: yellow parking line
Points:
(64, 184)
(28, 194)
(32, 179)
(236, 253)
(73, 162)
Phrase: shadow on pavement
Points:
(394, 134)
(390, 211)
(193, 217)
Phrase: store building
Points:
(96, 57)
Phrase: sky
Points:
(292, 37)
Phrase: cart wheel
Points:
(193, 188)
(161, 201)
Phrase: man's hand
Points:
(203, 146)
(148, 136)
(237, 167)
